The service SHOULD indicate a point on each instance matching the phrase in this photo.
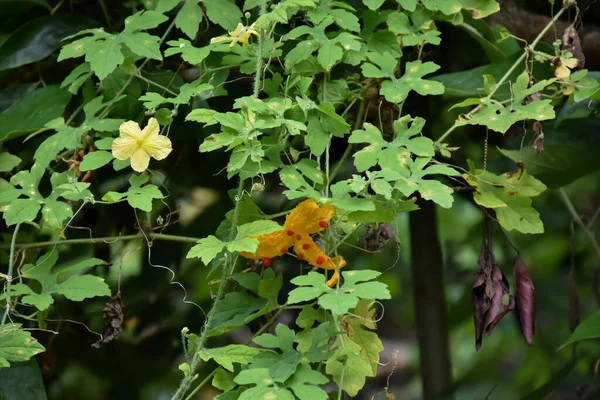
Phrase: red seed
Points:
(323, 224)
(300, 256)
(305, 246)
(266, 261)
(290, 233)
(298, 237)
(284, 250)
(320, 260)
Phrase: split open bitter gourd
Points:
(304, 220)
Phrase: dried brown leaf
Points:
(113, 321)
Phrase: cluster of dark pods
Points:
(490, 290)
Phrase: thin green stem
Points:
(227, 271)
(258, 333)
(137, 71)
(340, 390)
(201, 384)
(509, 72)
(9, 273)
(106, 14)
(158, 85)
(105, 239)
(357, 125)
(259, 56)
(580, 222)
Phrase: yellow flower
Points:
(563, 71)
(240, 34)
(140, 145)
(307, 218)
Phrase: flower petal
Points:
(140, 160)
(130, 129)
(157, 147)
(220, 39)
(124, 147)
(152, 129)
(238, 29)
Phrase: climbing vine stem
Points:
(509, 72)
(11, 267)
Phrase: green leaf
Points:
(16, 345)
(348, 363)
(331, 121)
(257, 228)
(500, 118)
(314, 286)
(247, 244)
(396, 90)
(76, 287)
(23, 380)
(140, 197)
(367, 157)
(338, 303)
(226, 356)
(316, 137)
(104, 56)
(33, 111)
(20, 210)
(8, 162)
(188, 19)
(223, 12)
(369, 342)
(373, 4)
(509, 196)
(237, 310)
(258, 376)
(223, 380)
(329, 55)
(55, 212)
(38, 38)
(189, 53)
(437, 192)
(283, 341)
(383, 67)
(354, 204)
(206, 249)
(142, 44)
(418, 30)
(81, 287)
(309, 169)
(143, 20)
(301, 52)
(95, 160)
(588, 329)
(280, 366)
(481, 8)
(345, 20)
(308, 316)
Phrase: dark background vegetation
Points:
(143, 362)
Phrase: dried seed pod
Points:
(538, 141)
(572, 44)
(480, 306)
(501, 287)
(525, 294)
